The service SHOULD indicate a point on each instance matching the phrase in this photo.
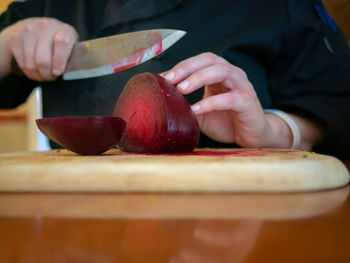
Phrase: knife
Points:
(103, 56)
(107, 55)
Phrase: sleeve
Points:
(14, 89)
(312, 75)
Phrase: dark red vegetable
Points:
(158, 117)
(89, 135)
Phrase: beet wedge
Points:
(158, 117)
(90, 135)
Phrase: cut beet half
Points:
(90, 135)
(158, 117)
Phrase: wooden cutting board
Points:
(210, 170)
(267, 206)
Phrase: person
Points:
(238, 58)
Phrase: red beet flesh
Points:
(89, 135)
(158, 117)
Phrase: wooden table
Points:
(299, 227)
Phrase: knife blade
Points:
(107, 55)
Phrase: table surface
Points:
(56, 227)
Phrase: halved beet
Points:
(158, 117)
(89, 135)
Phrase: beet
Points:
(158, 117)
(89, 135)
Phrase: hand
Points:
(230, 110)
(41, 46)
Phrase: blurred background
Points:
(18, 131)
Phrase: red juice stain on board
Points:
(222, 153)
(243, 152)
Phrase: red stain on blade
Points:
(124, 67)
(159, 48)
(138, 55)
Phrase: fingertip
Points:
(169, 75)
(57, 72)
(163, 74)
(195, 107)
(183, 85)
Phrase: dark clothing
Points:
(294, 56)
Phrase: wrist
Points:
(285, 132)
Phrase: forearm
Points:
(311, 132)
(5, 55)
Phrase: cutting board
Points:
(208, 170)
(267, 206)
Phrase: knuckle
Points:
(213, 58)
(236, 73)
(199, 78)
(242, 72)
(211, 104)
(15, 39)
(62, 39)
(29, 28)
(69, 31)
(67, 27)
(210, 56)
(249, 93)
(44, 24)
(252, 93)
(231, 98)
(29, 67)
(225, 68)
(42, 61)
(183, 66)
